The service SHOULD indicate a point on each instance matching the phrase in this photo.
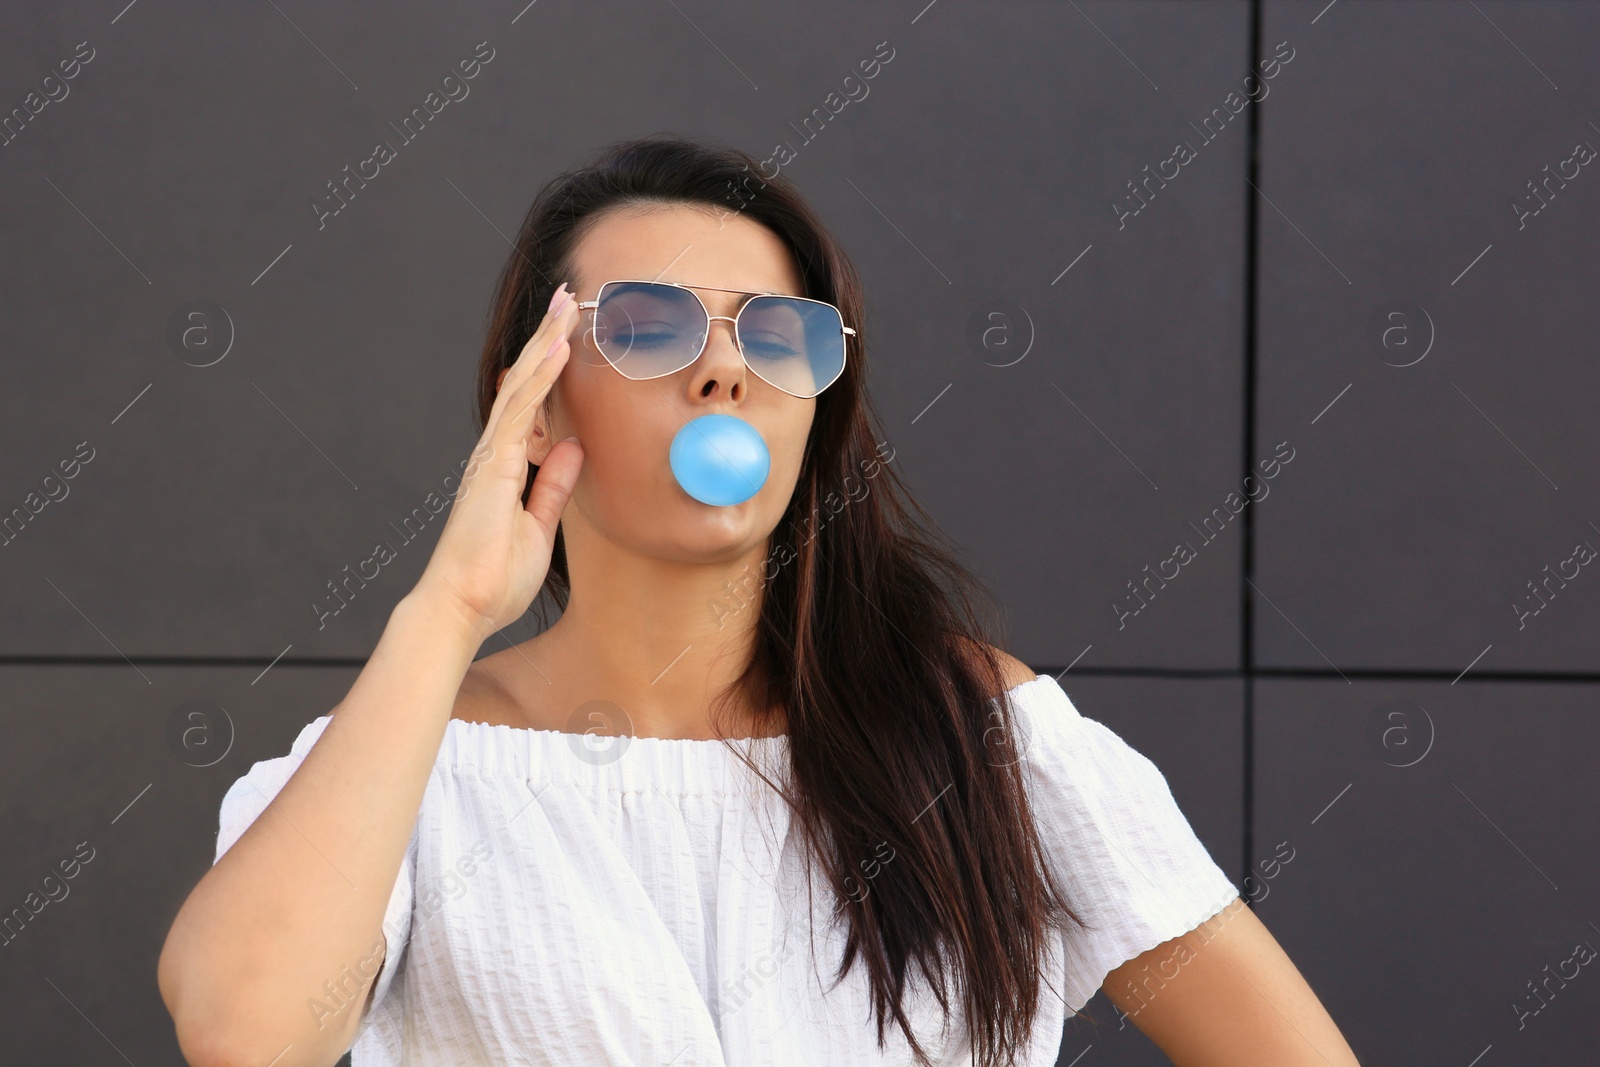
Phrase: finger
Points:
(546, 341)
(513, 425)
(493, 441)
(512, 375)
(552, 485)
(534, 350)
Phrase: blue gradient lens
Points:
(652, 329)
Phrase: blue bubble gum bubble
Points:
(720, 459)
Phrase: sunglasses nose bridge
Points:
(733, 329)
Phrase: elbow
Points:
(200, 1040)
(226, 1013)
(201, 1044)
(169, 983)
(198, 1052)
(205, 1044)
(217, 1031)
(197, 1041)
(200, 1020)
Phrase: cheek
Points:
(624, 427)
(796, 432)
(587, 403)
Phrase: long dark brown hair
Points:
(869, 638)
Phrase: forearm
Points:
(301, 895)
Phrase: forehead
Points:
(688, 245)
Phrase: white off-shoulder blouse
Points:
(646, 905)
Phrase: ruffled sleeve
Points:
(1121, 849)
(249, 796)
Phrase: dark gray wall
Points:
(1341, 266)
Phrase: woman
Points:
(765, 793)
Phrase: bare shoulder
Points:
(1013, 671)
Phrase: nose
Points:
(721, 361)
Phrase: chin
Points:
(708, 531)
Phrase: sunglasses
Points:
(651, 329)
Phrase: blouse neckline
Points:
(773, 741)
(625, 763)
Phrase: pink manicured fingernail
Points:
(558, 297)
(553, 346)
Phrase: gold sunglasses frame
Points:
(710, 318)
